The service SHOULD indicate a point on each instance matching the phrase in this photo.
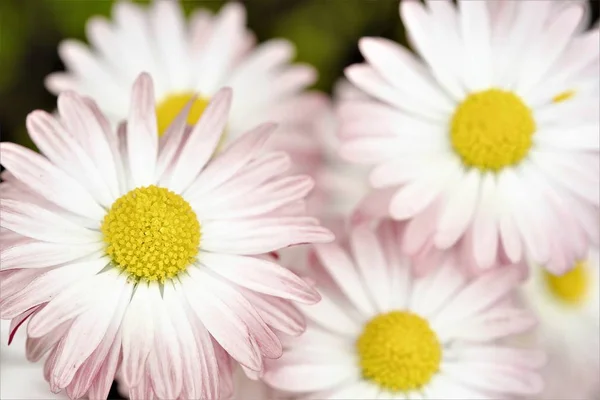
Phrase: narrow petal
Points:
(41, 224)
(260, 275)
(202, 142)
(267, 341)
(142, 137)
(138, 335)
(48, 181)
(223, 324)
(164, 362)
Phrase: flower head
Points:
(193, 59)
(381, 333)
(568, 309)
(126, 251)
(491, 141)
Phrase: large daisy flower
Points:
(568, 310)
(184, 58)
(491, 140)
(379, 333)
(123, 249)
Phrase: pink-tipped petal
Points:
(261, 276)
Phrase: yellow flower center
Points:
(566, 95)
(399, 351)
(151, 234)
(171, 106)
(570, 288)
(492, 129)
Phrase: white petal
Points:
(48, 181)
(341, 268)
(142, 133)
(458, 211)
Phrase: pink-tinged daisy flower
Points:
(568, 310)
(186, 58)
(19, 378)
(490, 142)
(121, 249)
(380, 333)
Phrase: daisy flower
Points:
(489, 141)
(186, 58)
(379, 333)
(21, 380)
(121, 249)
(568, 310)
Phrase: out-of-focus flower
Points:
(123, 249)
(19, 378)
(568, 310)
(491, 142)
(379, 333)
(185, 58)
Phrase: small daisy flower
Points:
(491, 141)
(379, 333)
(568, 310)
(186, 58)
(123, 250)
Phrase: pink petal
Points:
(261, 276)
(164, 361)
(202, 142)
(267, 341)
(138, 336)
(223, 324)
(142, 137)
(50, 182)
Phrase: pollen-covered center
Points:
(151, 233)
(168, 109)
(570, 288)
(399, 351)
(492, 129)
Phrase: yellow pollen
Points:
(570, 288)
(168, 109)
(566, 95)
(492, 129)
(399, 351)
(151, 234)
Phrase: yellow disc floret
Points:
(168, 109)
(399, 351)
(151, 234)
(492, 129)
(570, 288)
(564, 96)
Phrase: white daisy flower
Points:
(186, 58)
(568, 309)
(491, 141)
(380, 333)
(123, 250)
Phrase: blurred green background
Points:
(325, 33)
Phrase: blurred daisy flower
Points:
(568, 309)
(491, 141)
(121, 249)
(380, 333)
(201, 56)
